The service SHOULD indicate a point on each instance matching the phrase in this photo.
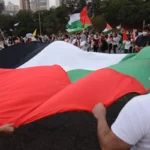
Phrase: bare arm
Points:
(107, 139)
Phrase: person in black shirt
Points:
(143, 40)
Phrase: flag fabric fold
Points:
(47, 85)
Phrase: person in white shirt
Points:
(83, 45)
(131, 130)
(115, 43)
(127, 45)
(109, 41)
(76, 41)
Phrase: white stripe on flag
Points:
(73, 18)
(70, 57)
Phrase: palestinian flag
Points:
(108, 29)
(53, 98)
(79, 20)
(85, 72)
(35, 32)
(124, 39)
(119, 27)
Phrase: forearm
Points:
(107, 140)
(103, 130)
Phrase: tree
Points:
(129, 13)
(56, 19)
(99, 23)
(73, 4)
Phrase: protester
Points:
(97, 42)
(77, 40)
(109, 41)
(127, 45)
(131, 129)
(104, 44)
(115, 43)
(67, 39)
(143, 40)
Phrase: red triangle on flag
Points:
(108, 26)
(84, 17)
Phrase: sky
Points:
(17, 2)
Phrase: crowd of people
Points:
(95, 41)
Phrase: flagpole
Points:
(39, 13)
(143, 23)
(2, 34)
(40, 23)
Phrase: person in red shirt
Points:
(96, 42)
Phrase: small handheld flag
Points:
(108, 29)
(35, 32)
(79, 20)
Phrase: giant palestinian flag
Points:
(79, 20)
(55, 80)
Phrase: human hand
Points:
(7, 128)
(99, 111)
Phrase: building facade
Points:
(25, 4)
(37, 5)
(10, 7)
(2, 5)
(43, 4)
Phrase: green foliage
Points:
(74, 3)
(99, 23)
(129, 13)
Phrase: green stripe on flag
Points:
(137, 66)
(138, 69)
(75, 75)
(134, 65)
(129, 56)
(76, 26)
(78, 29)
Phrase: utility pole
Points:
(40, 23)
(2, 34)
(39, 13)
(143, 23)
